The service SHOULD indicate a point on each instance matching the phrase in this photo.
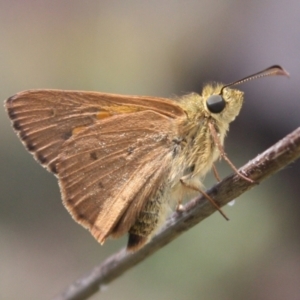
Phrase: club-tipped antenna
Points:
(273, 70)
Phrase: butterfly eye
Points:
(215, 103)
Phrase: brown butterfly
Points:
(121, 161)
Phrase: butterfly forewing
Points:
(45, 119)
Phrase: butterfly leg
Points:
(216, 174)
(210, 199)
(223, 154)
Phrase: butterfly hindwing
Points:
(104, 168)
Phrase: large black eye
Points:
(215, 103)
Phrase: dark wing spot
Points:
(53, 112)
(66, 135)
(81, 216)
(23, 135)
(101, 186)
(11, 111)
(130, 150)
(16, 125)
(93, 155)
(53, 169)
(41, 158)
(31, 147)
(69, 201)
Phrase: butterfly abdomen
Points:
(147, 221)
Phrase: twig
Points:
(264, 165)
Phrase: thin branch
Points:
(264, 165)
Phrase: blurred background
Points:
(157, 48)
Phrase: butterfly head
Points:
(223, 105)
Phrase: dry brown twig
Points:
(264, 165)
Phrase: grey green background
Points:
(157, 48)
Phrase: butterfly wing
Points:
(110, 152)
(106, 167)
(46, 119)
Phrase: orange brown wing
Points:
(107, 150)
(46, 119)
(106, 167)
